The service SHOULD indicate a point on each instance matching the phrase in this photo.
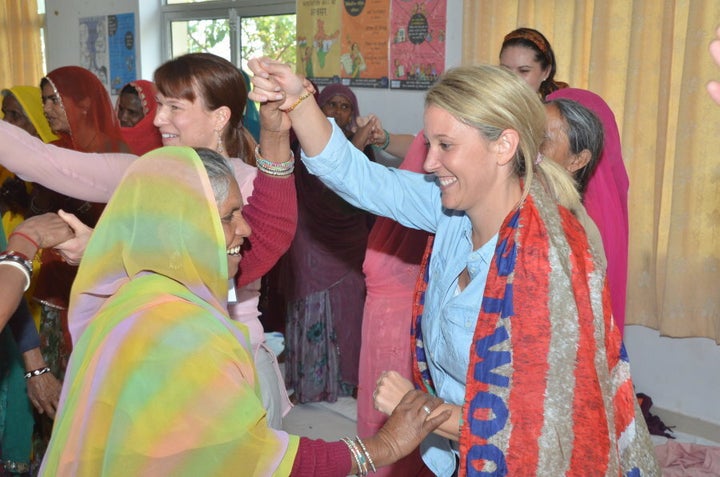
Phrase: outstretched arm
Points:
(403, 432)
(85, 176)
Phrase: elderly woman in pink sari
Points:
(161, 380)
(606, 197)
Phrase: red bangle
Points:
(26, 237)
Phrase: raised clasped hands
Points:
(277, 88)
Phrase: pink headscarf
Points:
(606, 198)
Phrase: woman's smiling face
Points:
(459, 157)
(185, 123)
(522, 61)
(235, 228)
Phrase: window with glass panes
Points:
(236, 30)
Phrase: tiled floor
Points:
(683, 437)
(331, 421)
(322, 420)
(319, 420)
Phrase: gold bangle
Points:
(302, 98)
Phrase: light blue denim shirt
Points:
(449, 317)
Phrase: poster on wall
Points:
(107, 48)
(364, 45)
(318, 40)
(417, 43)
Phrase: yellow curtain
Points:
(22, 60)
(649, 60)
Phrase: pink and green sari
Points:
(160, 381)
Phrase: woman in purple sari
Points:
(321, 275)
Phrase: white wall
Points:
(402, 111)
(681, 375)
(63, 40)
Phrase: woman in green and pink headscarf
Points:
(161, 380)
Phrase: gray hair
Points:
(584, 131)
(219, 171)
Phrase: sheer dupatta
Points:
(161, 381)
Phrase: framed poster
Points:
(107, 48)
(417, 44)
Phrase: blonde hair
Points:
(492, 99)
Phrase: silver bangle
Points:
(367, 454)
(359, 459)
(20, 267)
(21, 258)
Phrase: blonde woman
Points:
(513, 328)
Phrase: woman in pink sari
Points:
(391, 267)
(606, 197)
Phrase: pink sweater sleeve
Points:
(321, 459)
(85, 176)
(271, 211)
(272, 215)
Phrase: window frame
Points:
(233, 10)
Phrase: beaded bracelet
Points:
(37, 372)
(279, 169)
(302, 98)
